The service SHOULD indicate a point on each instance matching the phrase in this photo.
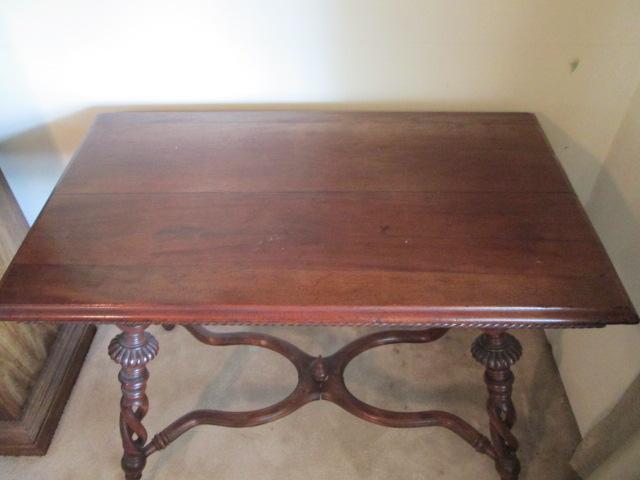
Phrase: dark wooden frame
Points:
(32, 433)
(319, 378)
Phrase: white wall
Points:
(575, 62)
(59, 58)
(598, 366)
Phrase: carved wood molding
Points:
(498, 352)
(133, 349)
(352, 316)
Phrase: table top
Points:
(333, 218)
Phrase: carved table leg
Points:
(133, 349)
(498, 351)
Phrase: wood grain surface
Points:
(23, 347)
(39, 363)
(315, 218)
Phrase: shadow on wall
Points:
(617, 219)
(618, 226)
(597, 367)
(580, 164)
(34, 160)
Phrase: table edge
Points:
(330, 315)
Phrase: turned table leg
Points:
(133, 349)
(498, 351)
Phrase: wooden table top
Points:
(461, 219)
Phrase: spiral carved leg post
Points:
(498, 351)
(133, 349)
(318, 378)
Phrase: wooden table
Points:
(424, 220)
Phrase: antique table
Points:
(417, 221)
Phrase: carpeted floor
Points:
(320, 441)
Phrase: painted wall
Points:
(597, 366)
(576, 63)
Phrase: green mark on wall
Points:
(573, 65)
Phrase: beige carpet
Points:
(319, 441)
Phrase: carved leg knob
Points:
(498, 351)
(133, 349)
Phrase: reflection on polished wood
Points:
(333, 218)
